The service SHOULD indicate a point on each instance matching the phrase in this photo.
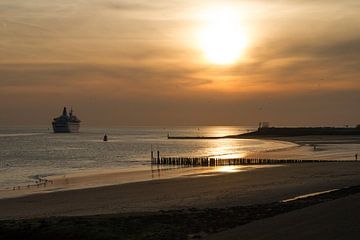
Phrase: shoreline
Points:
(97, 177)
(282, 132)
(112, 177)
(106, 177)
(258, 186)
(191, 202)
(46, 162)
(301, 139)
(209, 221)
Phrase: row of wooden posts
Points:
(210, 161)
(41, 182)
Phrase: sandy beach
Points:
(337, 219)
(228, 202)
(108, 177)
(256, 186)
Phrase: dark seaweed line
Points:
(174, 224)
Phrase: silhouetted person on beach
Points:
(356, 157)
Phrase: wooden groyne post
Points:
(207, 161)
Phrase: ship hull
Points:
(67, 127)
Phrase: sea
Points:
(27, 153)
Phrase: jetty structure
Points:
(264, 130)
(215, 162)
(66, 123)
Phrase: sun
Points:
(222, 39)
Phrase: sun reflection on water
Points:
(225, 149)
(228, 169)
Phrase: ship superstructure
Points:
(66, 123)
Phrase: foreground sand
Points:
(242, 188)
(338, 219)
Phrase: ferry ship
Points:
(66, 123)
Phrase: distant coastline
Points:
(286, 132)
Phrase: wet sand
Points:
(110, 177)
(257, 186)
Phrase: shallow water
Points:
(28, 152)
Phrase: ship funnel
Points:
(64, 112)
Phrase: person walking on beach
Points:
(356, 157)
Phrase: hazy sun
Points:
(222, 39)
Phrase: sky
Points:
(180, 62)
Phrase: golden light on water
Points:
(228, 169)
(222, 38)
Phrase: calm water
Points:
(28, 152)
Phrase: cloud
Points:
(126, 79)
(130, 5)
(303, 65)
(137, 62)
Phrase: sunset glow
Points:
(180, 62)
(222, 39)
